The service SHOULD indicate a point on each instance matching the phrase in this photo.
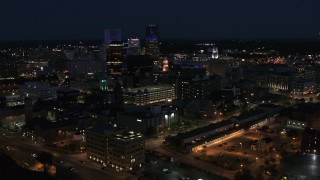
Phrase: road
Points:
(156, 145)
(21, 150)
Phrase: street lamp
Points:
(241, 146)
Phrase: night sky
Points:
(178, 19)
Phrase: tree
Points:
(151, 131)
(273, 160)
(293, 133)
(45, 158)
(119, 94)
(265, 129)
(259, 176)
(244, 174)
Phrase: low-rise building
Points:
(264, 144)
(201, 108)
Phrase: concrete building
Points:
(149, 95)
(197, 87)
(143, 119)
(119, 149)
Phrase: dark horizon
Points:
(231, 19)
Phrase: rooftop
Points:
(248, 114)
(195, 132)
(124, 135)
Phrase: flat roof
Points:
(248, 114)
(126, 135)
(195, 132)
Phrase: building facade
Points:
(121, 150)
(134, 48)
(152, 40)
(150, 95)
(197, 87)
(115, 56)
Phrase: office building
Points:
(198, 87)
(112, 35)
(114, 58)
(148, 119)
(149, 95)
(152, 40)
(119, 149)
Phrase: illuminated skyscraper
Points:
(215, 54)
(114, 58)
(112, 35)
(152, 40)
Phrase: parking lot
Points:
(167, 169)
(237, 153)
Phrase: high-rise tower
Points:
(152, 40)
(215, 54)
(114, 58)
(112, 35)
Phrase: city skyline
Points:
(210, 90)
(52, 20)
